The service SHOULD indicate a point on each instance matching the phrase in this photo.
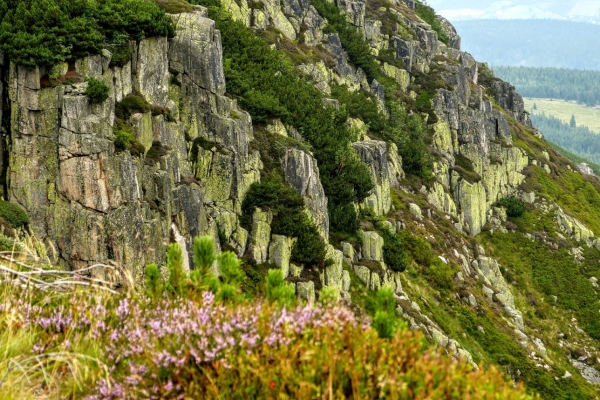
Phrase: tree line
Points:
(579, 140)
(582, 86)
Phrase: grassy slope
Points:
(584, 115)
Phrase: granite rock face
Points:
(94, 204)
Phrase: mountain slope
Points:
(344, 144)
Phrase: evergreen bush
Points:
(47, 32)
(96, 91)
(514, 206)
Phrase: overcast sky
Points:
(582, 10)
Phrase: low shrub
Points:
(13, 214)
(134, 103)
(125, 139)
(394, 254)
(96, 91)
(514, 206)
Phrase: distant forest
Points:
(533, 43)
(554, 83)
(579, 140)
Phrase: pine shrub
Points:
(96, 91)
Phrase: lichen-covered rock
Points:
(260, 235)
(415, 211)
(152, 66)
(95, 205)
(401, 76)
(572, 226)
(302, 173)
(364, 274)
(197, 47)
(372, 247)
(306, 291)
(453, 38)
(280, 251)
(374, 154)
(333, 273)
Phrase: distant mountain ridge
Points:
(532, 43)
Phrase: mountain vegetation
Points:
(554, 83)
(579, 140)
(293, 200)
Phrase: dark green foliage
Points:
(121, 55)
(409, 134)
(278, 290)
(343, 218)
(13, 214)
(352, 40)
(515, 207)
(394, 253)
(360, 104)
(46, 32)
(439, 275)
(289, 218)
(96, 91)
(428, 15)
(153, 281)
(175, 284)
(385, 321)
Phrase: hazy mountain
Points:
(532, 43)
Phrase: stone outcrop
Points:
(94, 204)
(302, 173)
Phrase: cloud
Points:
(463, 13)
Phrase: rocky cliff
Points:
(91, 201)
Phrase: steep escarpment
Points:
(353, 145)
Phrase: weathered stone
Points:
(260, 235)
(372, 248)
(280, 251)
(152, 71)
(302, 172)
(333, 273)
(346, 281)
(364, 274)
(197, 47)
(374, 154)
(572, 226)
(415, 211)
(306, 291)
